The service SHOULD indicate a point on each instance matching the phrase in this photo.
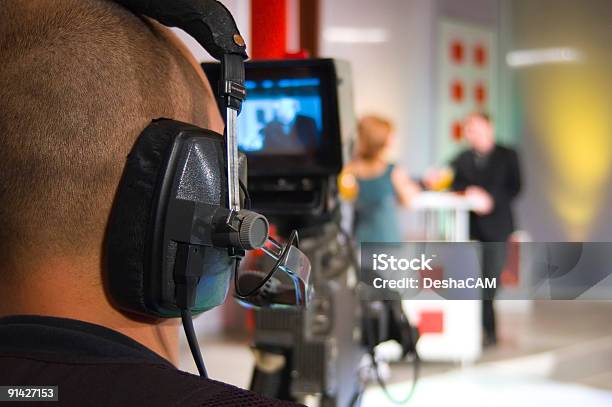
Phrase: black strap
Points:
(208, 21)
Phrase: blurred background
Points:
(541, 69)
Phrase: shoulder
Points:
(301, 119)
(396, 171)
(462, 157)
(506, 152)
(127, 383)
(356, 168)
(191, 390)
(398, 176)
(465, 154)
(209, 392)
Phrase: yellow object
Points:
(348, 186)
(443, 180)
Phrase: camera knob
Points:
(253, 230)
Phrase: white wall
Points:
(396, 77)
(392, 75)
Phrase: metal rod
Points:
(233, 186)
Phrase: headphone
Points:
(177, 230)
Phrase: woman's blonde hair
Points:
(374, 133)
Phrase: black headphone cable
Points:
(193, 341)
(186, 280)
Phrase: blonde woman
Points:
(382, 186)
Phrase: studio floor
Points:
(556, 353)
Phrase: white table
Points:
(447, 215)
(447, 218)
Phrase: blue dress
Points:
(376, 217)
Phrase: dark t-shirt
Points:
(96, 366)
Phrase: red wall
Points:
(268, 29)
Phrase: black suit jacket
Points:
(498, 174)
(302, 136)
(304, 130)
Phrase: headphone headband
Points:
(208, 21)
(212, 25)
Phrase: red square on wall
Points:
(480, 56)
(431, 322)
(457, 51)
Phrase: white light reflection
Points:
(530, 57)
(356, 35)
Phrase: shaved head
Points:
(79, 81)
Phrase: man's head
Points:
(479, 132)
(287, 110)
(80, 80)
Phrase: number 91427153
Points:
(31, 393)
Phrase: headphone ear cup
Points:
(128, 232)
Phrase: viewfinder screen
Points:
(281, 117)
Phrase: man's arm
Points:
(460, 181)
(405, 188)
(510, 185)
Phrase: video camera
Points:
(295, 128)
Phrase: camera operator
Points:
(79, 81)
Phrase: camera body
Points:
(296, 129)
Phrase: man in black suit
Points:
(290, 132)
(490, 174)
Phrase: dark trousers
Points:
(493, 261)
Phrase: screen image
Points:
(281, 117)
